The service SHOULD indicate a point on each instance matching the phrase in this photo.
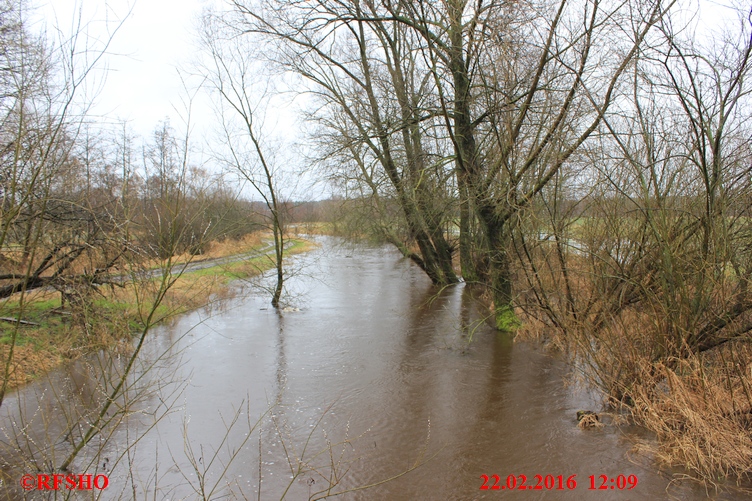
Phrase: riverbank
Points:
(374, 369)
(697, 406)
(53, 333)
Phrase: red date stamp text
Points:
(556, 482)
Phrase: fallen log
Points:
(16, 320)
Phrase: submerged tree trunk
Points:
(232, 73)
(279, 248)
(500, 275)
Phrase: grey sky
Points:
(142, 84)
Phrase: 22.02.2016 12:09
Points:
(558, 482)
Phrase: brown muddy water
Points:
(372, 376)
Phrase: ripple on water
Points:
(376, 366)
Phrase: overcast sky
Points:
(157, 37)
(142, 83)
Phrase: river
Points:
(372, 376)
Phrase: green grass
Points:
(113, 315)
(21, 340)
(37, 311)
(33, 310)
(113, 309)
(246, 268)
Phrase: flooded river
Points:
(371, 378)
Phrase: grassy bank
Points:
(55, 333)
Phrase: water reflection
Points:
(375, 374)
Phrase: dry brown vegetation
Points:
(701, 411)
(698, 402)
(116, 312)
(637, 261)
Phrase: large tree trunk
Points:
(436, 258)
(500, 276)
(468, 262)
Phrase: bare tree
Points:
(518, 86)
(44, 227)
(669, 223)
(373, 94)
(231, 71)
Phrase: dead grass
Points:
(698, 405)
(94, 257)
(536, 331)
(589, 421)
(314, 228)
(28, 363)
(217, 249)
(116, 312)
(701, 412)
